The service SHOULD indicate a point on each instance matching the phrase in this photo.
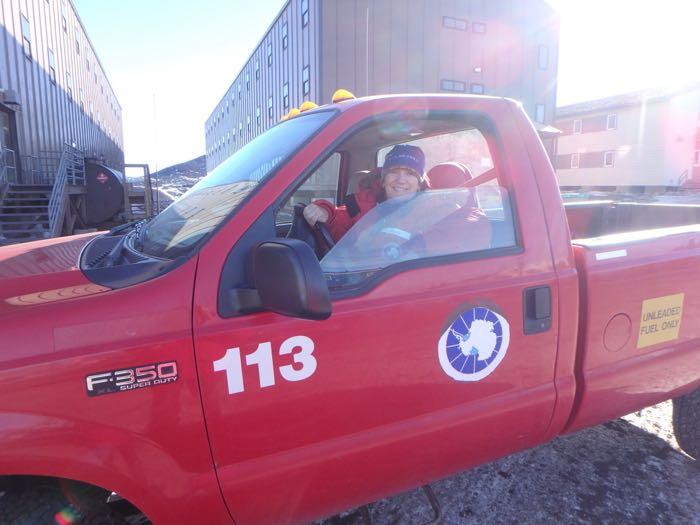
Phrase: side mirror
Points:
(289, 279)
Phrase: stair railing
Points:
(8, 168)
(71, 170)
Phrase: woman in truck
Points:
(397, 219)
(403, 175)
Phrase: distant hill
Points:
(177, 179)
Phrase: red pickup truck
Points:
(225, 362)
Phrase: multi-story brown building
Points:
(53, 89)
(641, 141)
(495, 47)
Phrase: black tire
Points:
(52, 503)
(686, 423)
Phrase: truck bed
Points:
(602, 217)
(639, 295)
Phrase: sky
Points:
(171, 61)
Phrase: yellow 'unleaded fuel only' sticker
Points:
(661, 320)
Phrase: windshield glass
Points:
(189, 219)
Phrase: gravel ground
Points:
(627, 471)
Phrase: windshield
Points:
(190, 218)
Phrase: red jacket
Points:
(342, 218)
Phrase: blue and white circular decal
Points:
(474, 344)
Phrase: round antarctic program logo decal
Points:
(474, 344)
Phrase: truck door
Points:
(440, 350)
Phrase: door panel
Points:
(379, 414)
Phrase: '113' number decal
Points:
(262, 357)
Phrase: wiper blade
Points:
(115, 253)
(124, 227)
(140, 228)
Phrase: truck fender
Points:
(131, 465)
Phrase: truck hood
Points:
(43, 271)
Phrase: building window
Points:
(697, 158)
(477, 69)
(228, 109)
(87, 64)
(578, 126)
(574, 160)
(248, 122)
(452, 85)
(285, 95)
(77, 46)
(63, 16)
(539, 113)
(454, 23)
(247, 81)
(612, 121)
(52, 67)
(477, 89)
(305, 81)
(269, 107)
(543, 57)
(269, 55)
(239, 92)
(26, 37)
(304, 13)
(240, 128)
(257, 116)
(478, 27)
(285, 36)
(257, 68)
(69, 83)
(609, 159)
(82, 99)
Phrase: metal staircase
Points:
(38, 210)
(24, 213)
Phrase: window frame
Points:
(578, 131)
(26, 28)
(476, 88)
(285, 35)
(575, 165)
(611, 163)
(306, 80)
(451, 22)
(543, 108)
(52, 66)
(304, 13)
(497, 151)
(446, 82)
(607, 121)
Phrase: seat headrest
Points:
(448, 175)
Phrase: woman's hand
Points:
(313, 213)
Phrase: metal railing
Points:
(70, 170)
(8, 167)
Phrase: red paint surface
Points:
(379, 415)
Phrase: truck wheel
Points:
(686, 423)
(55, 503)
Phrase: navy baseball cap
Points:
(405, 156)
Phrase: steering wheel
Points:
(325, 234)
